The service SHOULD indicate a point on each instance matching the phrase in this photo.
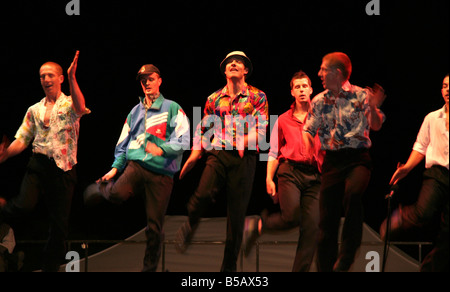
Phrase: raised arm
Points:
(75, 92)
(376, 99)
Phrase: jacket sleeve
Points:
(122, 145)
(179, 139)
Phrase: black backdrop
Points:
(405, 49)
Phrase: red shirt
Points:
(287, 142)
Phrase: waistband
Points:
(300, 165)
(347, 151)
(42, 157)
(236, 152)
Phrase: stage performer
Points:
(52, 127)
(147, 155)
(432, 145)
(299, 178)
(236, 115)
(342, 116)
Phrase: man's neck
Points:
(235, 86)
(150, 98)
(301, 110)
(51, 98)
(337, 89)
(301, 107)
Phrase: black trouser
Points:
(225, 170)
(156, 189)
(298, 195)
(44, 178)
(432, 201)
(345, 176)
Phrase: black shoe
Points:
(342, 266)
(395, 225)
(92, 195)
(251, 234)
(20, 260)
(183, 237)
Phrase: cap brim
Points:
(248, 64)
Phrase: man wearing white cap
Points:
(236, 115)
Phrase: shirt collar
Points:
(346, 88)
(156, 104)
(244, 91)
(291, 113)
(60, 97)
(442, 112)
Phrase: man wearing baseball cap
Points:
(148, 154)
(231, 155)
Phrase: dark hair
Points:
(300, 75)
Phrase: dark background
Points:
(405, 49)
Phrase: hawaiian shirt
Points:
(228, 120)
(341, 121)
(59, 140)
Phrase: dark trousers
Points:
(44, 178)
(432, 201)
(225, 170)
(345, 176)
(156, 190)
(298, 195)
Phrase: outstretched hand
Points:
(112, 173)
(376, 95)
(4, 143)
(73, 67)
(400, 173)
(190, 162)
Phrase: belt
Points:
(347, 151)
(300, 165)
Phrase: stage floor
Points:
(275, 252)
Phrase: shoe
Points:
(92, 195)
(341, 266)
(251, 234)
(395, 224)
(184, 237)
(20, 259)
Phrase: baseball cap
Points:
(147, 69)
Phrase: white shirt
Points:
(432, 140)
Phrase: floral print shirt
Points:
(341, 121)
(59, 140)
(228, 120)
